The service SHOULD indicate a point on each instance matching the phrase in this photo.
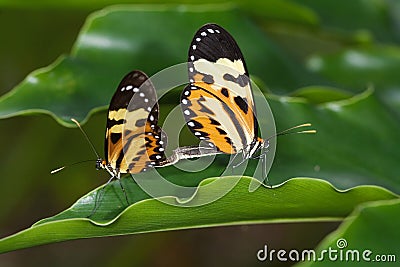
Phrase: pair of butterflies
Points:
(217, 105)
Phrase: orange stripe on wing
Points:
(212, 132)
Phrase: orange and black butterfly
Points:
(218, 104)
(134, 142)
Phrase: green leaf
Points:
(116, 40)
(320, 94)
(355, 69)
(296, 200)
(373, 227)
(354, 143)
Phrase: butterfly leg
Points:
(244, 158)
(258, 157)
(133, 180)
(264, 168)
(230, 163)
(263, 158)
(240, 163)
(99, 197)
(123, 190)
(234, 166)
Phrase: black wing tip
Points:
(133, 82)
(211, 28)
(136, 78)
(133, 75)
(212, 42)
(212, 25)
(138, 72)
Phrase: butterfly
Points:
(134, 142)
(218, 103)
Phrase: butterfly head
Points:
(258, 144)
(103, 164)
(100, 164)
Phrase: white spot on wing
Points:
(198, 39)
(194, 47)
(203, 34)
(135, 89)
(129, 87)
(187, 112)
(184, 101)
(210, 30)
(191, 124)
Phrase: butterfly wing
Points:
(134, 142)
(218, 104)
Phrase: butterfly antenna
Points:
(87, 137)
(289, 130)
(63, 167)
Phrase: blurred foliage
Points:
(317, 58)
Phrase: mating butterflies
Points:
(134, 142)
(218, 103)
(218, 106)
